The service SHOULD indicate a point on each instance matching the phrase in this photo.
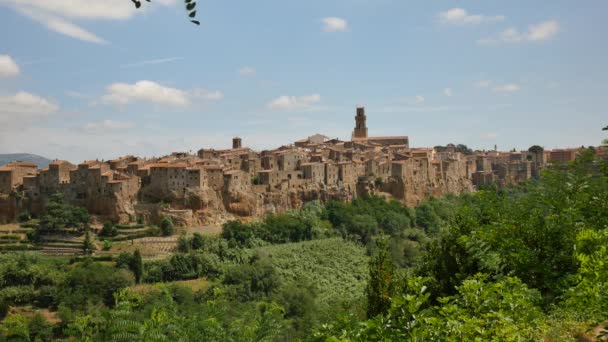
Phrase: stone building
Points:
(360, 131)
(11, 175)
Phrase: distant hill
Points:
(38, 160)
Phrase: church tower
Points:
(360, 131)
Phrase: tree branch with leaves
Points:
(190, 7)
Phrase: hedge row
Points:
(10, 248)
(132, 236)
(127, 226)
(10, 237)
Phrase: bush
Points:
(252, 281)
(24, 216)
(198, 242)
(166, 227)
(107, 245)
(108, 230)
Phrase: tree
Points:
(190, 7)
(88, 245)
(108, 230)
(380, 286)
(166, 227)
(198, 241)
(136, 266)
(61, 215)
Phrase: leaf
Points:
(190, 6)
(195, 22)
(192, 14)
(137, 3)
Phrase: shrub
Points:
(107, 245)
(108, 230)
(24, 216)
(166, 227)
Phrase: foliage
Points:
(292, 226)
(93, 283)
(24, 216)
(252, 281)
(108, 230)
(336, 268)
(380, 286)
(61, 215)
(166, 227)
(107, 245)
(190, 7)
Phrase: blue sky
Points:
(86, 79)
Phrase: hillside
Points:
(36, 159)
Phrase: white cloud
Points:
(334, 24)
(8, 67)
(483, 83)
(85, 9)
(419, 99)
(23, 108)
(511, 35)
(54, 13)
(459, 16)
(62, 26)
(448, 92)
(152, 62)
(212, 95)
(247, 71)
(535, 33)
(294, 102)
(144, 91)
(107, 125)
(507, 88)
(543, 31)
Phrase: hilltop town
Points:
(215, 185)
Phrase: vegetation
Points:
(60, 215)
(166, 227)
(190, 7)
(526, 263)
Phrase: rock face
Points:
(206, 206)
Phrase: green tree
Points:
(136, 266)
(59, 215)
(15, 328)
(198, 241)
(166, 227)
(380, 286)
(108, 230)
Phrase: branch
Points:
(190, 7)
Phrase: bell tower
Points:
(360, 131)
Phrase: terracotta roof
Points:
(23, 164)
(88, 162)
(58, 162)
(168, 166)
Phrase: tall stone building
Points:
(236, 142)
(360, 131)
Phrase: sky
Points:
(84, 79)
